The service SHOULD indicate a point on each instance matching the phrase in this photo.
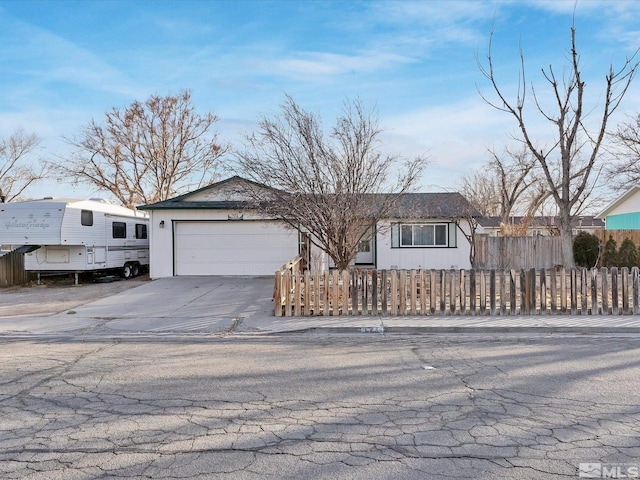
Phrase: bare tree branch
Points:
(566, 165)
(16, 173)
(147, 152)
(330, 185)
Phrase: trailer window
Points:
(86, 218)
(119, 230)
(141, 230)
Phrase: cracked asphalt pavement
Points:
(321, 406)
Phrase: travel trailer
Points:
(74, 236)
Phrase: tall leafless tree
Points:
(508, 183)
(17, 173)
(568, 161)
(625, 169)
(146, 153)
(335, 185)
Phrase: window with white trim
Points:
(423, 235)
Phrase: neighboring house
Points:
(214, 231)
(624, 212)
(541, 225)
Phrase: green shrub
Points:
(628, 254)
(585, 250)
(610, 255)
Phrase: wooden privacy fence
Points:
(618, 236)
(458, 292)
(517, 252)
(12, 270)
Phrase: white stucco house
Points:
(214, 231)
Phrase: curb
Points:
(460, 330)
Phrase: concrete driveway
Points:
(177, 304)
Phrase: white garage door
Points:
(232, 248)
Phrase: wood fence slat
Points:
(492, 292)
(287, 294)
(554, 291)
(335, 293)
(345, 292)
(524, 297)
(374, 292)
(394, 292)
(584, 301)
(452, 292)
(402, 286)
(604, 275)
(365, 291)
(594, 291)
(325, 294)
(354, 293)
(316, 293)
(472, 291)
(543, 291)
(563, 290)
(512, 291)
(483, 293)
(614, 290)
(297, 293)
(532, 283)
(414, 292)
(503, 292)
(385, 296)
(423, 292)
(432, 291)
(277, 295)
(635, 290)
(574, 292)
(624, 273)
(463, 293)
(442, 290)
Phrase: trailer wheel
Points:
(135, 270)
(126, 271)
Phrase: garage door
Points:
(232, 248)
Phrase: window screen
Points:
(86, 218)
(141, 230)
(119, 230)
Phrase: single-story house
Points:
(540, 225)
(214, 231)
(624, 212)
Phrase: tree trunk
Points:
(566, 240)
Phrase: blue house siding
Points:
(625, 221)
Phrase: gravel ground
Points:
(57, 295)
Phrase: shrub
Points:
(610, 255)
(585, 250)
(628, 254)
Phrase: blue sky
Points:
(63, 63)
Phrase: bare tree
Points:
(625, 170)
(569, 161)
(147, 152)
(508, 183)
(334, 186)
(16, 173)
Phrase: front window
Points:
(424, 235)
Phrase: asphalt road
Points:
(318, 406)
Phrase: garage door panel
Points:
(232, 248)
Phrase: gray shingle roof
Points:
(410, 205)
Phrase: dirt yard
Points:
(57, 295)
